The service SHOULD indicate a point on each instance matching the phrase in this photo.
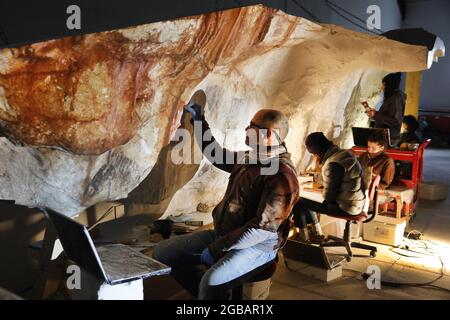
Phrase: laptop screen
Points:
(361, 135)
(77, 243)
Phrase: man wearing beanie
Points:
(343, 192)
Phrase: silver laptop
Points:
(114, 263)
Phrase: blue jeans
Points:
(181, 253)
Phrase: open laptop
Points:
(114, 263)
(361, 135)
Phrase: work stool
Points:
(262, 273)
(397, 201)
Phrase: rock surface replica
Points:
(89, 119)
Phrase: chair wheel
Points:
(373, 253)
(349, 258)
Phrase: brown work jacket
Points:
(251, 200)
(382, 165)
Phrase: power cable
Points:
(365, 276)
(307, 11)
(107, 213)
(330, 5)
(334, 7)
(406, 284)
(346, 11)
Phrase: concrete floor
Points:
(432, 220)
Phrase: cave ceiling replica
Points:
(89, 119)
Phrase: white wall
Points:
(433, 16)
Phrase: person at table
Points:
(342, 193)
(376, 161)
(392, 110)
(251, 222)
(411, 132)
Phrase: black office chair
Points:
(368, 214)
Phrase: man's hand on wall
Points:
(371, 113)
(195, 110)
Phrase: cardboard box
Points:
(332, 226)
(259, 290)
(433, 191)
(385, 230)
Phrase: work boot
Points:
(317, 229)
(316, 236)
(302, 235)
(317, 239)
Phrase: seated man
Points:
(411, 132)
(376, 161)
(251, 222)
(343, 190)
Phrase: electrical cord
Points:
(346, 11)
(334, 7)
(365, 276)
(307, 11)
(392, 265)
(108, 212)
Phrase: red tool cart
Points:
(400, 204)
